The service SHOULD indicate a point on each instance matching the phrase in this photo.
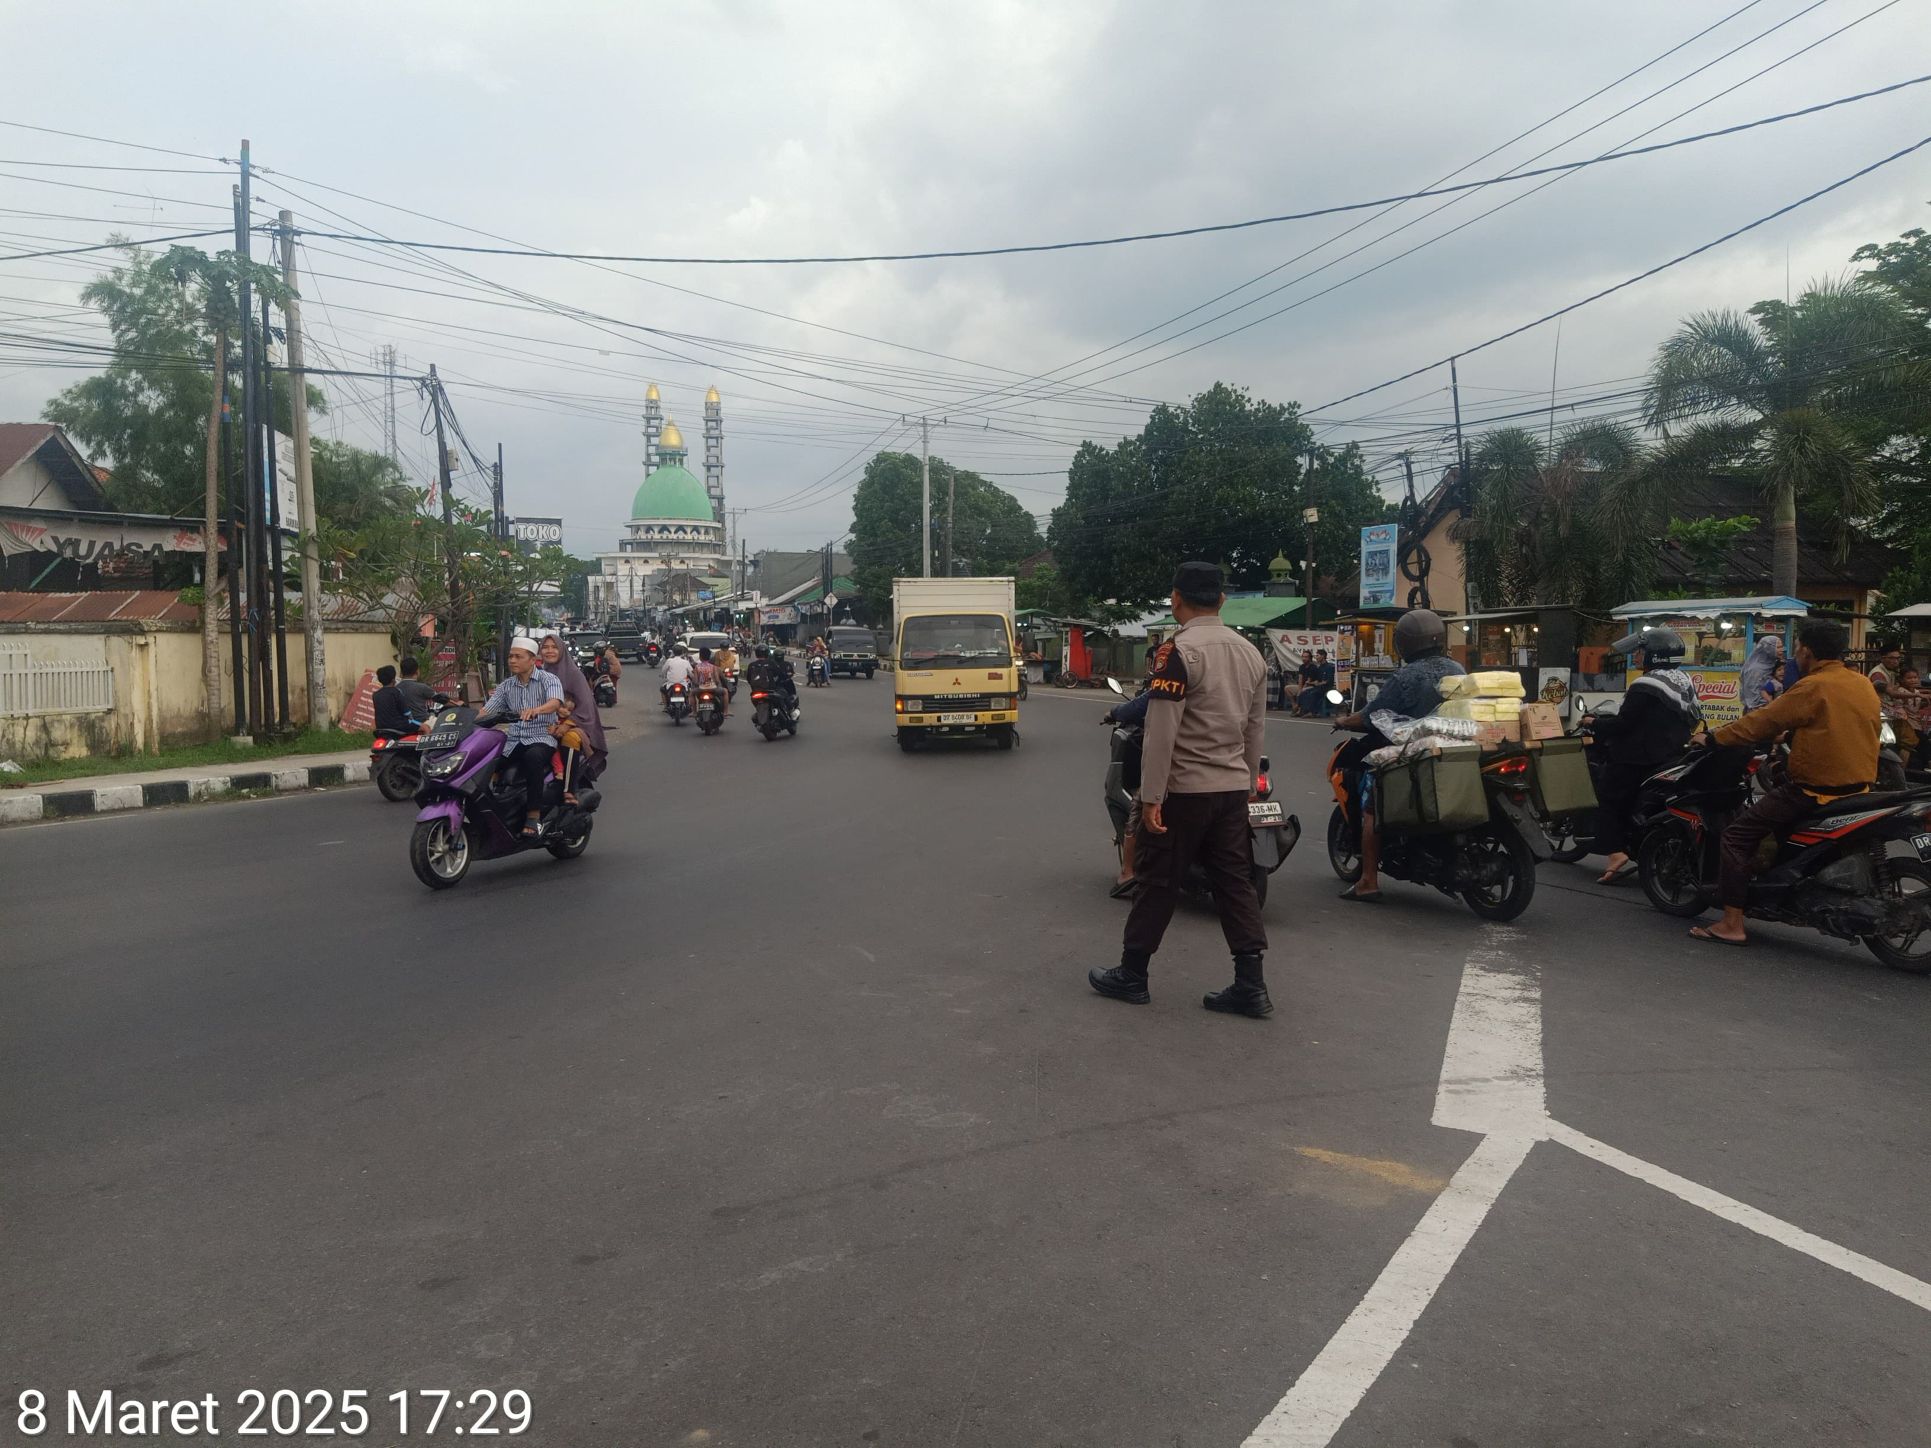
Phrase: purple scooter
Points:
(468, 814)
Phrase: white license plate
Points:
(1922, 844)
(957, 718)
(1265, 812)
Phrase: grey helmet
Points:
(1418, 632)
(1659, 646)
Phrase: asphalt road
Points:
(784, 1116)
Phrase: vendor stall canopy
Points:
(1770, 606)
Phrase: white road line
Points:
(1865, 1269)
(1491, 1082)
(1491, 1077)
(1335, 1382)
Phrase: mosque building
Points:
(673, 551)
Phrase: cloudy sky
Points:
(760, 128)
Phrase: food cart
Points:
(1719, 634)
(1365, 653)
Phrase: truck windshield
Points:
(935, 640)
(852, 640)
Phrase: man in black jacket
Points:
(1658, 715)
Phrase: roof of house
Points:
(43, 440)
(781, 574)
(143, 605)
(1251, 612)
(1747, 562)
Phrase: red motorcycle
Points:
(1858, 868)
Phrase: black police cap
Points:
(1199, 583)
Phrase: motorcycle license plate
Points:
(1922, 844)
(1266, 812)
(955, 718)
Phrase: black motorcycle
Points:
(1488, 863)
(1858, 868)
(677, 702)
(604, 689)
(1272, 831)
(773, 713)
(653, 653)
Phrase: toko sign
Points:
(537, 533)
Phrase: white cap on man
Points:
(524, 642)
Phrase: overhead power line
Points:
(1558, 168)
(1727, 236)
(116, 245)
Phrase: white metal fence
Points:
(52, 686)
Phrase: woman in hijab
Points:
(1761, 679)
(583, 701)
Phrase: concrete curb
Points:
(61, 804)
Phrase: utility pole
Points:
(271, 478)
(1466, 484)
(502, 542)
(925, 492)
(237, 674)
(320, 716)
(452, 552)
(1310, 515)
(251, 458)
(951, 488)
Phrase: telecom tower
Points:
(385, 358)
(653, 428)
(714, 451)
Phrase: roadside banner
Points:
(1720, 692)
(359, 713)
(1293, 645)
(1378, 564)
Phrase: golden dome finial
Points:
(650, 393)
(672, 438)
(712, 396)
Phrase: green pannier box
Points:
(1440, 791)
(1559, 779)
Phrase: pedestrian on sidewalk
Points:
(1204, 731)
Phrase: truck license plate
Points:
(1265, 812)
(1922, 844)
(955, 718)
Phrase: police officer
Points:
(1205, 718)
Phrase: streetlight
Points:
(1309, 517)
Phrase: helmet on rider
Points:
(1660, 647)
(762, 652)
(1419, 633)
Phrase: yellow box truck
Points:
(955, 660)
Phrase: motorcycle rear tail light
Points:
(1262, 787)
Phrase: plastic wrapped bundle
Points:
(1399, 729)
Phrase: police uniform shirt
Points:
(1207, 716)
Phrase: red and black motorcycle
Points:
(1858, 868)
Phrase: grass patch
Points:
(221, 751)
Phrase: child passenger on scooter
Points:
(570, 743)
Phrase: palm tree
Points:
(1787, 395)
(1549, 515)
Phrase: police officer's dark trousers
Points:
(1213, 830)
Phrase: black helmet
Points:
(763, 652)
(1420, 632)
(1658, 645)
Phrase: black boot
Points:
(1126, 981)
(1247, 996)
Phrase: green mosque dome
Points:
(673, 492)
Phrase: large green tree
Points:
(1903, 467)
(1798, 397)
(991, 530)
(1224, 478)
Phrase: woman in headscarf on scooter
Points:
(583, 707)
(1659, 713)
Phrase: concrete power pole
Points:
(925, 492)
(951, 489)
(319, 714)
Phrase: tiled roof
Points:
(140, 605)
(21, 439)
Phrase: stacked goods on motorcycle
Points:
(1436, 790)
(1559, 779)
(1484, 684)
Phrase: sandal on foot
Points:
(1124, 889)
(1703, 932)
(1366, 897)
